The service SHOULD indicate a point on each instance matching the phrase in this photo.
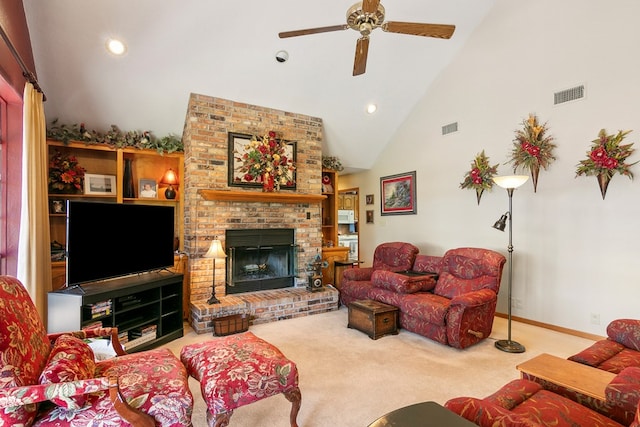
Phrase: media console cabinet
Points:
(146, 308)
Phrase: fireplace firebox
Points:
(260, 259)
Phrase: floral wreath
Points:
(532, 147)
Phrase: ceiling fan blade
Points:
(441, 31)
(308, 31)
(362, 50)
(370, 6)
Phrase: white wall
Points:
(574, 252)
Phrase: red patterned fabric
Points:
(625, 332)
(24, 347)
(394, 256)
(154, 381)
(525, 403)
(237, 370)
(70, 360)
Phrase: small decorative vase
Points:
(535, 171)
(127, 183)
(267, 182)
(479, 192)
(603, 182)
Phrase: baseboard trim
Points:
(553, 327)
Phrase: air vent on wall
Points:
(568, 95)
(451, 127)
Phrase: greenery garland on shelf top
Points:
(114, 137)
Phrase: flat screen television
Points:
(107, 240)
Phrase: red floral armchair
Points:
(53, 380)
(524, 403)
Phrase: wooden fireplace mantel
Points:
(258, 196)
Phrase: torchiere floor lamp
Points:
(510, 183)
(216, 252)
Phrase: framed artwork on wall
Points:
(369, 216)
(398, 194)
(103, 185)
(238, 144)
(369, 199)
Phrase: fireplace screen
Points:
(260, 260)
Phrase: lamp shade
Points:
(170, 177)
(510, 181)
(215, 250)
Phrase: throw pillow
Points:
(71, 359)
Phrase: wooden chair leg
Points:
(295, 397)
(218, 420)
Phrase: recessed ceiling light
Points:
(371, 108)
(116, 47)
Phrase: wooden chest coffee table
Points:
(374, 318)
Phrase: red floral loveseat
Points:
(525, 403)
(54, 380)
(619, 354)
(456, 309)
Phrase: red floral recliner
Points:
(53, 380)
(457, 309)
(524, 403)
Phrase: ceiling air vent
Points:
(568, 95)
(450, 128)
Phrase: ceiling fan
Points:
(366, 16)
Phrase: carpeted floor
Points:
(349, 380)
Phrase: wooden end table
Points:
(425, 414)
(574, 376)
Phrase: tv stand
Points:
(145, 307)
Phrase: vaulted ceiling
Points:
(228, 49)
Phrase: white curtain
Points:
(34, 252)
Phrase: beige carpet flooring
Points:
(349, 380)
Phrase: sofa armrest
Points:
(487, 414)
(30, 394)
(362, 273)
(625, 332)
(474, 298)
(624, 390)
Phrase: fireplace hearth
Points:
(260, 259)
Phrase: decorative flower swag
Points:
(114, 137)
(480, 177)
(532, 148)
(607, 156)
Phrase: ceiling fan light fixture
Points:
(116, 47)
(372, 108)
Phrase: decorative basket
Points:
(232, 324)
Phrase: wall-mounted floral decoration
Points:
(607, 156)
(480, 177)
(532, 148)
(332, 163)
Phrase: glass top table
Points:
(425, 414)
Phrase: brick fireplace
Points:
(212, 207)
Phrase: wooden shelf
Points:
(256, 196)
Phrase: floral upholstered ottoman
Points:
(240, 369)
